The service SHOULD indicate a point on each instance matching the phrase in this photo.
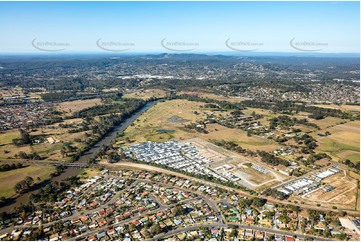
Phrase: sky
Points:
(127, 27)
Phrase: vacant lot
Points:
(8, 179)
(75, 106)
(343, 143)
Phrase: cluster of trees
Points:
(272, 159)
(25, 138)
(66, 96)
(8, 167)
(54, 191)
(31, 156)
(201, 128)
(284, 121)
(275, 193)
(309, 142)
(314, 157)
(255, 201)
(114, 157)
(352, 165)
(24, 185)
(230, 145)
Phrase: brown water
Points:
(72, 171)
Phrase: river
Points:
(71, 171)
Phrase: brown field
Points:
(146, 94)
(75, 106)
(327, 122)
(341, 107)
(157, 118)
(343, 196)
(8, 179)
(343, 143)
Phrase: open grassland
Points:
(146, 94)
(157, 119)
(327, 122)
(8, 179)
(219, 132)
(355, 108)
(343, 143)
(6, 137)
(72, 107)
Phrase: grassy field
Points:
(75, 106)
(341, 107)
(327, 122)
(157, 118)
(343, 143)
(8, 179)
(146, 94)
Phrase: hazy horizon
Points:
(179, 27)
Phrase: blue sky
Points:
(203, 26)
